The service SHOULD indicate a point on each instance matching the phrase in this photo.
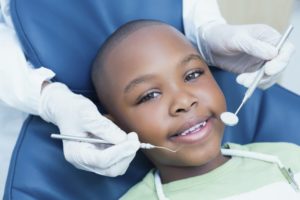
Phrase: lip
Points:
(193, 131)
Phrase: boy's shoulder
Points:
(288, 153)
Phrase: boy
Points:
(152, 81)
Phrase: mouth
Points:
(193, 132)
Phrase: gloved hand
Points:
(242, 48)
(78, 116)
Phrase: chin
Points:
(199, 161)
(197, 156)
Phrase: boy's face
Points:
(157, 86)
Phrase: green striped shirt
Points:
(238, 178)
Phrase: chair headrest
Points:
(66, 38)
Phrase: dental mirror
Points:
(231, 119)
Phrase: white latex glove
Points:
(242, 48)
(78, 116)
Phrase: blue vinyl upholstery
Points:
(65, 36)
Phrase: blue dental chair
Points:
(65, 36)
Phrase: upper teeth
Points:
(190, 130)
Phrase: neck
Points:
(171, 173)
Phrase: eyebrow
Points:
(148, 77)
(137, 81)
(190, 58)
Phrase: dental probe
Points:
(230, 118)
(100, 141)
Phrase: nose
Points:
(183, 102)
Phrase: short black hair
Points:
(110, 43)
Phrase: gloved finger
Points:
(99, 158)
(121, 167)
(105, 129)
(270, 81)
(264, 33)
(255, 47)
(279, 63)
(115, 170)
(246, 79)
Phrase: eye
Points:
(193, 75)
(148, 96)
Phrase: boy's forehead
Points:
(144, 51)
(146, 42)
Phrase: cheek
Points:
(146, 122)
(218, 100)
(213, 96)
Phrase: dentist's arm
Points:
(28, 90)
(236, 48)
